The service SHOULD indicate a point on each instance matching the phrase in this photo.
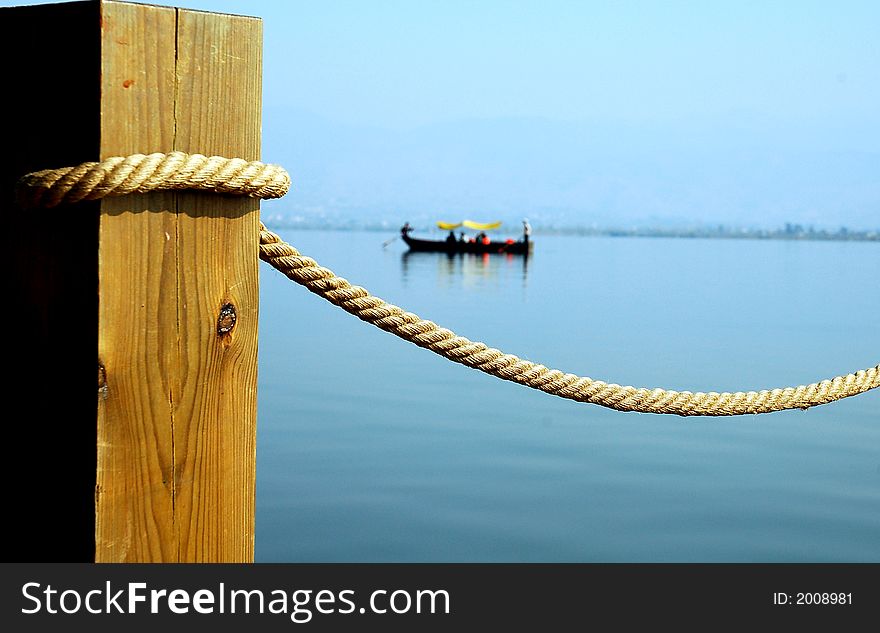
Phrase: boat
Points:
(478, 245)
(457, 246)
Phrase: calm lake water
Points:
(371, 449)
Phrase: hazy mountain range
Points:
(743, 173)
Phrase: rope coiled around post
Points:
(138, 173)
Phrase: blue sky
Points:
(629, 112)
(399, 64)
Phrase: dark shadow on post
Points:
(50, 263)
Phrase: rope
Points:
(410, 327)
(139, 173)
(40, 188)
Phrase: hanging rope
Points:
(236, 177)
(410, 327)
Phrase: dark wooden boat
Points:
(457, 246)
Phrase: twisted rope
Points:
(139, 173)
(410, 327)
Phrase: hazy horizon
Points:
(568, 174)
(578, 113)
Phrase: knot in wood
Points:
(226, 320)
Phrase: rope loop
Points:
(140, 173)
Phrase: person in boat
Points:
(405, 229)
(461, 238)
(482, 238)
(450, 239)
(527, 230)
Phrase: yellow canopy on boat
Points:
(477, 226)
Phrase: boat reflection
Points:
(467, 269)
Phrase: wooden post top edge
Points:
(49, 6)
(170, 6)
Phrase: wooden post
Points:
(173, 463)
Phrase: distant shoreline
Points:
(728, 234)
(787, 233)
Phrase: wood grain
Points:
(177, 419)
(218, 112)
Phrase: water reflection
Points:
(467, 269)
